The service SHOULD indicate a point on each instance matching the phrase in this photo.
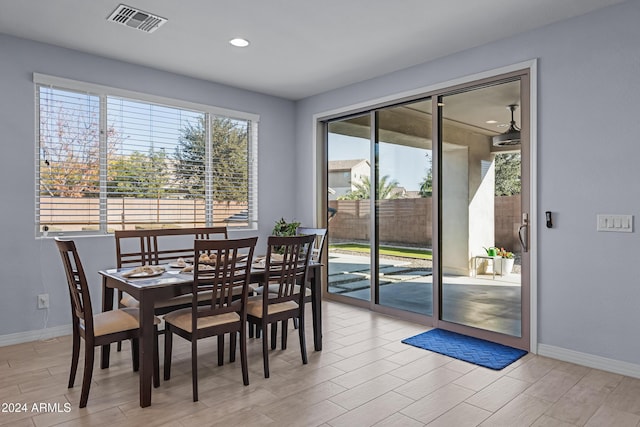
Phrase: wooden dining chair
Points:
(99, 329)
(318, 244)
(159, 246)
(317, 249)
(136, 248)
(286, 278)
(225, 311)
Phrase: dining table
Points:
(171, 283)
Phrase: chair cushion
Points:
(182, 319)
(113, 321)
(254, 307)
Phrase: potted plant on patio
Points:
(504, 264)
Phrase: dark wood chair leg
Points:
(220, 350)
(274, 334)
(168, 341)
(285, 326)
(194, 367)
(135, 354)
(265, 349)
(75, 356)
(88, 373)
(251, 327)
(303, 344)
(106, 351)
(243, 356)
(156, 358)
(232, 346)
(119, 298)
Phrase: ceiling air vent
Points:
(136, 18)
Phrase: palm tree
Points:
(426, 186)
(386, 189)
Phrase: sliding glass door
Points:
(403, 207)
(428, 202)
(482, 206)
(349, 155)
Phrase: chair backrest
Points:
(157, 246)
(318, 244)
(229, 268)
(81, 310)
(286, 266)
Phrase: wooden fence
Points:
(63, 214)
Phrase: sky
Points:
(407, 165)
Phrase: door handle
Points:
(523, 232)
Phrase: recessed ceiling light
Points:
(239, 42)
(490, 122)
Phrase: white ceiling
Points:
(298, 47)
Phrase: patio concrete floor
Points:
(482, 301)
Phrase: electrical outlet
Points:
(43, 301)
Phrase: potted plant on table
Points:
(284, 228)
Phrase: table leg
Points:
(147, 337)
(107, 305)
(316, 308)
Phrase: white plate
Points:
(176, 265)
(144, 274)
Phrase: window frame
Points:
(106, 91)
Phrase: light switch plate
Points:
(615, 223)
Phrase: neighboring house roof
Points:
(400, 192)
(338, 165)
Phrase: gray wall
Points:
(588, 150)
(32, 266)
(588, 154)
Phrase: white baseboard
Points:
(589, 360)
(37, 335)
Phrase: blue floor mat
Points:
(474, 350)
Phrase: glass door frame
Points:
(524, 341)
(527, 72)
(374, 299)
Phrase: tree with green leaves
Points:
(508, 174)
(426, 186)
(386, 189)
(139, 175)
(229, 153)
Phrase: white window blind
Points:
(110, 162)
(69, 159)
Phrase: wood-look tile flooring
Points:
(364, 376)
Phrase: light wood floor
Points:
(364, 376)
